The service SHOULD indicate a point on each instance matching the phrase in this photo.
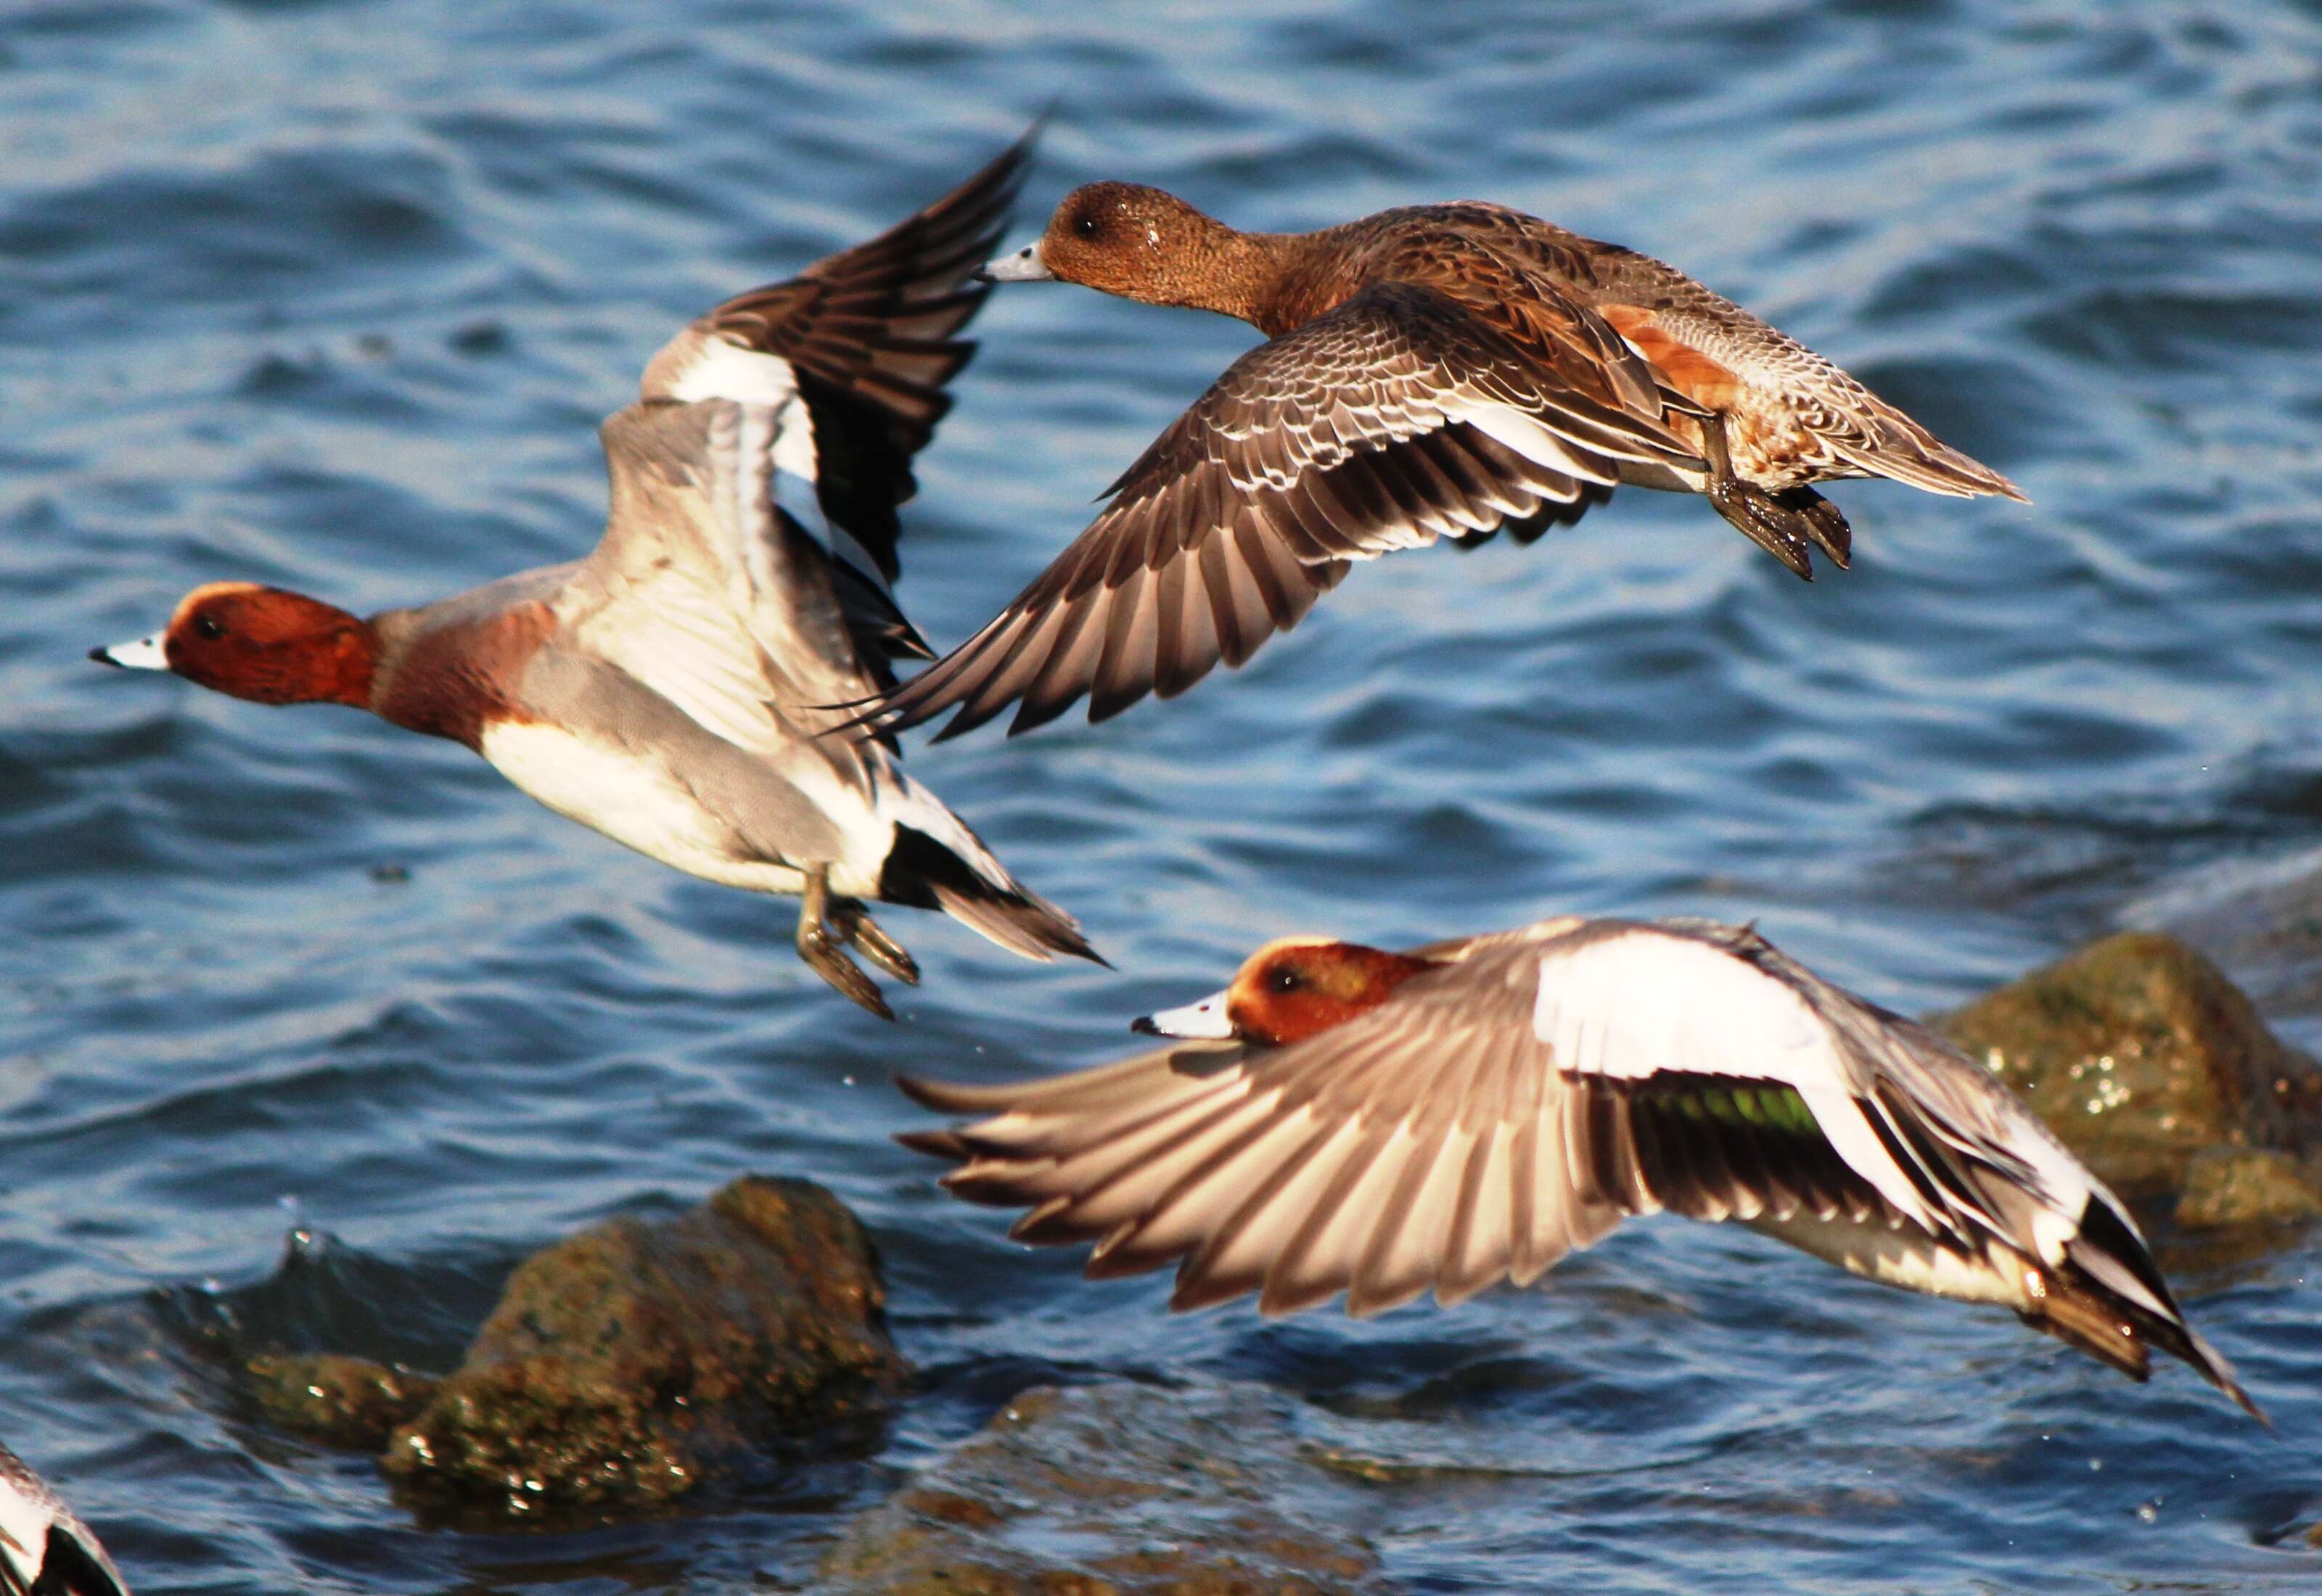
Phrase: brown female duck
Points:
(1433, 371)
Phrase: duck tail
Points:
(936, 862)
(2108, 1299)
(1903, 449)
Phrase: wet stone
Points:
(2141, 1055)
(2247, 1186)
(625, 1364)
(1117, 1490)
(339, 1401)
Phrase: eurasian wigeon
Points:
(658, 690)
(1376, 1123)
(1434, 371)
(45, 1550)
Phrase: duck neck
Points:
(1257, 278)
(353, 669)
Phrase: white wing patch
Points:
(1648, 1002)
(727, 370)
(691, 646)
(1645, 1001)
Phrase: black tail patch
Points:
(917, 862)
(921, 872)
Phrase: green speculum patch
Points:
(1740, 1103)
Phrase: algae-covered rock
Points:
(625, 1362)
(2247, 1186)
(339, 1401)
(1115, 1490)
(2141, 1055)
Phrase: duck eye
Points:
(207, 626)
(1086, 225)
(1285, 981)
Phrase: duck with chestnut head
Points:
(660, 691)
(1343, 1118)
(1432, 371)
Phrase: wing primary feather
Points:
(1124, 670)
(1405, 1258)
(1240, 1251)
(1299, 1276)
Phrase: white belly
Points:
(631, 800)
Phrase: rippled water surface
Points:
(333, 294)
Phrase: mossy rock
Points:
(2141, 1055)
(625, 1364)
(340, 1402)
(1116, 1489)
(2231, 1186)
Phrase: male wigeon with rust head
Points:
(664, 690)
(1439, 370)
(1343, 1118)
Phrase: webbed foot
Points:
(1785, 524)
(854, 925)
(822, 950)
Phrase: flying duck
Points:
(660, 691)
(1432, 371)
(1346, 1119)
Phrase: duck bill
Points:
(144, 654)
(1204, 1021)
(1024, 266)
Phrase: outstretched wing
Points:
(1395, 419)
(1490, 1118)
(854, 351)
(703, 587)
(707, 591)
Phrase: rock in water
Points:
(623, 1363)
(2234, 1186)
(1115, 1490)
(338, 1401)
(2141, 1055)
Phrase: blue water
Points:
(333, 294)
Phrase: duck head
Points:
(266, 644)
(1144, 244)
(1291, 989)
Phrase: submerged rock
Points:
(2141, 1055)
(2247, 1186)
(1115, 1490)
(623, 1363)
(340, 1402)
